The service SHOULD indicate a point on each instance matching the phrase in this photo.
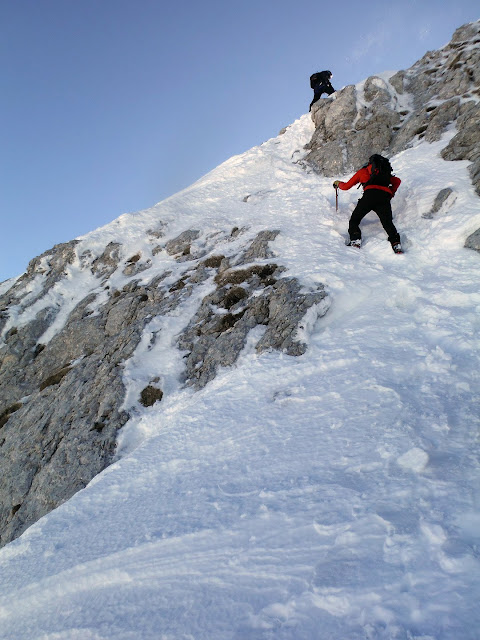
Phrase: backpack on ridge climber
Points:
(381, 171)
(322, 77)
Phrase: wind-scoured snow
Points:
(332, 495)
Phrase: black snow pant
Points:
(318, 92)
(378, 201)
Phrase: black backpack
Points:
(381, 171)
(322, 77)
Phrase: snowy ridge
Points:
(333, 494)
(204, 204)
(333, 491)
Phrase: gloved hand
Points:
(336, 183)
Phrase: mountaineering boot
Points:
(397, 247)
(354, 243)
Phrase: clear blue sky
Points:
(109, 106)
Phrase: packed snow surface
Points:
(333, 495)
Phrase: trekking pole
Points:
(336, 199)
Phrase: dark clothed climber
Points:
(320, 83)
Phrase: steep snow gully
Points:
(331, 493)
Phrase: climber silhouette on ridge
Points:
(320, 83)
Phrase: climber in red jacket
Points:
(379, 187)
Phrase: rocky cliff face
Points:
(71, 324)
(389, 114)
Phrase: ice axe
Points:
(335, 186)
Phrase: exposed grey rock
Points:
(473, 241)
(376, 91)
(439, 118)
(429, 123)
(335, 115)
(235, 232)
(333, 118)
(397, 82)
(449, 72)
(373, 134)
(244, 299)
(346, 135)
(259, 249)
(439, 201)
(327, 157)
(181, 244)
(287, 305)
(465, 145)
(44, 271)
(134, 265)
(60, 402)
(108, 261)
(62, 436)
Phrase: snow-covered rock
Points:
(390, 114)
(61, 384)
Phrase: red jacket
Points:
(363, 176)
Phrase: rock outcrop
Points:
(387, 115)
(443, 196)
(61, 384)
(473, 241)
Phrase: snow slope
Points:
(332, 495)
